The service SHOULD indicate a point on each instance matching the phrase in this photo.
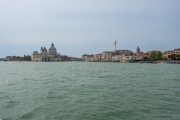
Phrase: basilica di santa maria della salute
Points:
(45, 56)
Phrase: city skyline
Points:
(85, 27)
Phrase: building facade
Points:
(46, 56)
(97, 57)
(105, 54)
(88, 58)
(170, 52)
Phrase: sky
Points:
(78, 27)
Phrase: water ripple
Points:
(75, 90)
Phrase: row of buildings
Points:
(115, 56)
(11, 58)
(170, 52)
(124, 55)
(45, 55)
(51, 55)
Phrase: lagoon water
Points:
(89, 91)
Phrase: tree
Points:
(174, 57)
(145, 58)
(159, 55)
(152, 55)
(26, 58)
(155, 55)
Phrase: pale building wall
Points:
(167, 53)
(131, 58)
(170, 52)
(176, 51)
(104, 55)
(108, 57)
(97, 57)
(116, 58)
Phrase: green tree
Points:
(26, 58)
(159, 55)
(155, 55)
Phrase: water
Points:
(89, 91)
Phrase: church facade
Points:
(46, 56)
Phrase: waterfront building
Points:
(126, 58)
(116, 57)
(89, 58)
(9, 58)
(177, 51)
(12, 58)
(97, 57)
(83, 57)
(170, 52)
(132, 58)
(108, 57)
(167, 53)
(103, 55)
(46, 56)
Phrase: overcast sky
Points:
(77, 27)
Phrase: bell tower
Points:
(137, 50)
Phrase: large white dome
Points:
(52, 49)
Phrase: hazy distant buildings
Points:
(9, 58)
(116, 56)
(125, 55)
(13, 58)
(170, 52)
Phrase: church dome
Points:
(52, 47)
